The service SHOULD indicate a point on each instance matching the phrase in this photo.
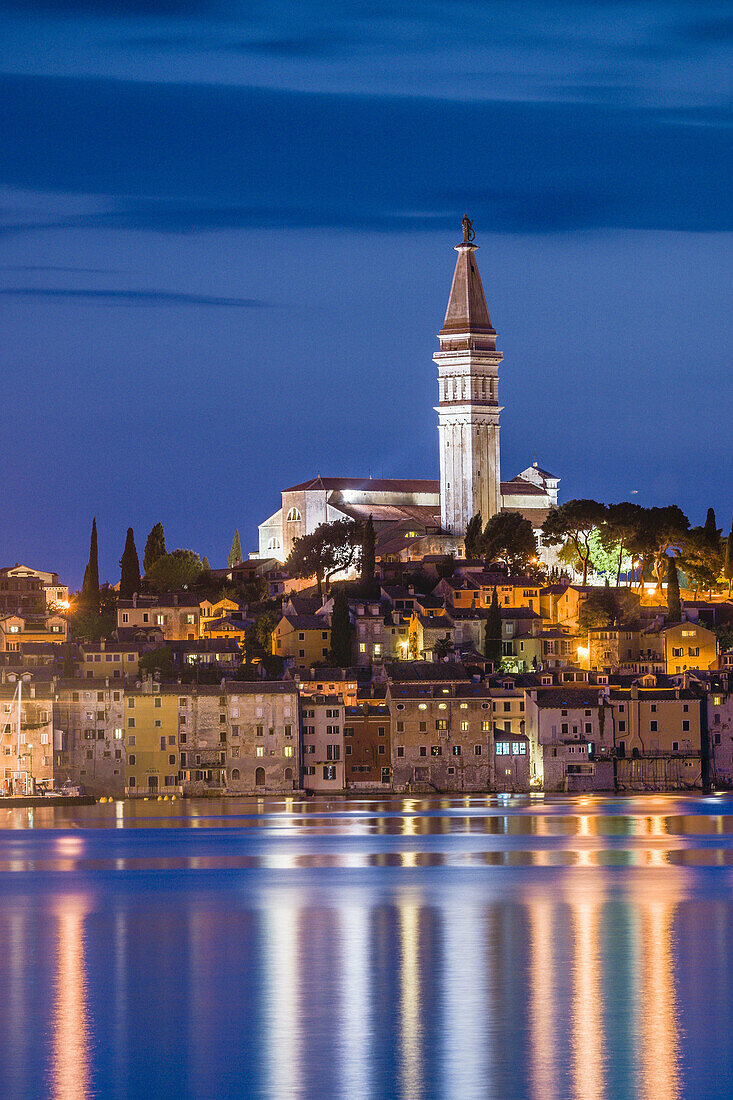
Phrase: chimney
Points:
(134, 599)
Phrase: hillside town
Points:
(465, 635)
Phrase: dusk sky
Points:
(226, 248)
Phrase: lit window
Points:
(502, 748)
(288, 750)
(259, 751)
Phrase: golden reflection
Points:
(587, 1019)
(410, 1068)
(356, 1029)
(659, 1070)
(543, 1068)
(283, 1021)
(70, 1067)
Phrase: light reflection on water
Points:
(416, 948)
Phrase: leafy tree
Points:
(330, 549)
(442, 647)
(130, 566)
(701, 560)
(340, 630)
(573, 523)
(90, 585)
(474, 531)
(666, 529)
(158, 660)
(728, 562)
(178, 569)
(620, 531)
(154, 547)
(368, 547)
(674, 606)
(509, 537)
(607, 558)
(235, 554)
(91, 624)
(712, 534)
(606, 606)
(492, 640)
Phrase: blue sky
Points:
(226, 239)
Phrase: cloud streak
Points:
(224, 157)
(129, 297)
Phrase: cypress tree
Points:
(130, 566)
(235, 554)
(90, 586)
(205, 567)
(492, 644)
(711, 531)
(674, 607)
(340, 630)
(728, 563)
(368, 545)
(474, 531)
(154, 547)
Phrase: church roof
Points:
(372, 484)
(467, 310)
(519, 486)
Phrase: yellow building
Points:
(151, 736)
(656, 734)
(16, 629)
(687, 645)
(304, 638)
(234, 630)
(211, 610)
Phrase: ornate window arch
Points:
(274, 543)
(293, 515)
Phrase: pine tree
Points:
(90, 585)
(154, 547)
(340, 630)
(674, 607)
(235, 554)
(130, 566)
(728, 563)
(368, 546)
(492, 644)
(205, 567)
(472, 540)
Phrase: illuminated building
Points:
(415, 517)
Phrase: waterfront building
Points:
(368, 745)
(26, 734)
(570, 732)
(90, 746)
(657, 734)
(151, 734)
(263, 749)
(322, 728)
(203, 723)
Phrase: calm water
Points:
(509, 947)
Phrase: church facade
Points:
(414, 517)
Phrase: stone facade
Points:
(90, 747)
(263, 750)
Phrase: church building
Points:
(416, 517)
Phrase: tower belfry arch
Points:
(468, 398)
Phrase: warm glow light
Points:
(583, 652)
(70, 1025)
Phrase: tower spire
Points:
(468, 409)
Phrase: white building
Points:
(433, 514)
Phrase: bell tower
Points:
(468, 398)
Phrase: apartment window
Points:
(686, 727)
(131, 742)
(329, 771)
(502, 748)
(622, 727)
(131, 759)
(131, 723)
(441, 723)
(423, 727)
(171, 759)
(456, 750)
(260, 731)
(653, 727)
(158, 723)
(436, 750)
(486, 727)
(400, 750)
(477, 750)
(423, 750)
(464, 727)
(519, 748)
(118, 733)
(400, 727)
(653, 708)
(380, 731)
(333, 752)
(301, 637)
(675, 746)
(259, 751)
(685, 707)
(125, 617)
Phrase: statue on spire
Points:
(468, 234)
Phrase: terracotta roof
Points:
(467, 310)
(518, 486)
(368, 484)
